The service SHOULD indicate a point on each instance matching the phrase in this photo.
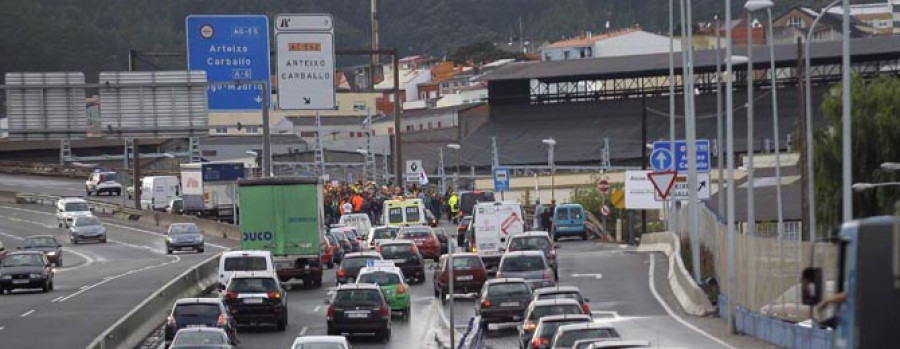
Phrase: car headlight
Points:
(5, 277)
(198, 239)
(35, 276)
(51, 253)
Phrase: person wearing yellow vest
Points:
(454, 207)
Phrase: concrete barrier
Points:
(131, 329)
(689, 295)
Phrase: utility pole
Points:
(135, 145)
(643, 154)
(719, 143)
(846, 145)
(398, 141)
(267, 137)
(320, 151)
(729, 135)
(441, 171)
(375, 57)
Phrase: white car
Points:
(69, 208)
(378, 235)
(360, 221)
(100, 182)
(232, 262)
(567, 335)
(317, 342)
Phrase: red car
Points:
(327, 253)
(461, 231)
(468, 271)
(424, 238)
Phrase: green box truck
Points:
(283, 215)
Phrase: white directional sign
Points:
(680, 188)
(639, 191)
(413, 167)
(305, 48)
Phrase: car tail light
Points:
(372, 243)
(273, 294)
(341, 273)
(330, 314)
(586, 308)
(385, 312)
(546, 274)
(401, 289)
(171, 321)
(553, 253)
(530, 325)
(222, 320)
(231, 295)
(486, 303)
(540, 342)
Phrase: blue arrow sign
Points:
(230, 48)
(661, 160)
(501, 179)
(680, 157)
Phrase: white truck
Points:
(206, 198)
(493, 223)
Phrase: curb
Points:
(689, 295)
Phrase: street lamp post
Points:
(365, 154)
(864, 186)
(457, 147)
(729, 194)
(551, 143)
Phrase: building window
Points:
(566, 55)
(221, 130)
(548, 57)
(390, 130)
(421, 127)
(252, 129)
(429, 125)
(352, 134)
(208, 153)
(359, 134)
(795, 22)
(408, 128)
(373, 131)
(359, 106)
(439, 124)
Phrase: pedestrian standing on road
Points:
(547, 218)
(346, 206)
(357, 202)
(454, 207)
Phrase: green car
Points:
(390, 279)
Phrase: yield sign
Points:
(662, 182)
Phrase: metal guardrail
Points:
(473, 338)
(96, 205)
(131, 329)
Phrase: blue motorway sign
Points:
(661, 159)
(230, 48)
(222, 172)
(501, 179)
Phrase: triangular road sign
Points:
(662, 182)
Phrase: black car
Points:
(503, 300)
(359, 308)
(405, 256)
(46, 244)
(191, 312)
(351, 265)
(184, 236)
(25, 269)
(257, 299)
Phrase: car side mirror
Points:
(18, 247)
(59, 246)
(811, 286)
(587, 300)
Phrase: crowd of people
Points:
(346, 198)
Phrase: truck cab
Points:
(868, 274)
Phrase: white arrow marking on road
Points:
(595, 276)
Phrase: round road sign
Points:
(603, 186)
(207, 31)
(604, 210)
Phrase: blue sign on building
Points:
(662, 159)
(230, 48)
(222, 172)
(501, 179)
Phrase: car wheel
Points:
(282, 323)
(200, 250)
(584, 236)
(46, 287)
(103, 240)
(87, 191)
(484, 326)
(168, 250)
(406, 313)
(73, 240)
(51, 284)
(443, 297)
(59, 224)
(555, 238)
(331, 332)
(436, 293)
(330, 265)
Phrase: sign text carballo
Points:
(305, 48)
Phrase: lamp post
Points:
(255, 156)
(846, 150)
(365, 154)
(457, 147)
(729, 147)
(750, 6)
(551, 143)
(864, 186)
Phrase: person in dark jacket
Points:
(547, 218)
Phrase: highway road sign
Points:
(680, 187)
(305, 48)
(618, 198)
(680, 157)
(230, 48)
(603, 186)
(227, 172)
(501, 179)
(662, 182)
(661, 159)
(46, 106)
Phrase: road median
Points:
(689, 295)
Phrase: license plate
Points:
(357, 315)
(187, 248)
(401, 260)
(19, 282)
(253, 300)
(509, 304)
(465, 277)
(517, 318)
(419, 243)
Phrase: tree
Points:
(875, 132)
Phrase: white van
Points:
(99, 182)
(360, 221)
(401, 213)
(156, 192)
(492, 224)
(232, 262)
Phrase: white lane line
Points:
(27, 313)
(11, 236)
(672, 313)
(316, 310)
(2, 328)
(87, 261)
(175, 259)
(303, 331)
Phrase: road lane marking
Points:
(595, 276)
(175, 259)
(316, 310)
(303, 331)
(87, 261)
(672, 313)
(2, 328)
(11, 236)
(27, 313)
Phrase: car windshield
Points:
(182, 229)
(554, 309)
(396, 251)
(529, 244)
(86, 221)
(21, 260)
(355, 262)
(252, 285)
(467, 262)
(199, 338)
(245, 263)
(509, 289)
(412, 214)
(358, 297)
(331, 239)
(569, 337)
(576, 213)
(39, 242)
(339, 235)
(197, 310)
(395, 215)
(379, 278)
(384, 233)
(77, 207)
(522, 263)
(351, 234)
(108, 177)
(415, 234)
(319, 346)
(548, 328)
(562, 295)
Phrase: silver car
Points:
(184, 237)
(87, 228)
(528, 265)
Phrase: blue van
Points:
(568, 220)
